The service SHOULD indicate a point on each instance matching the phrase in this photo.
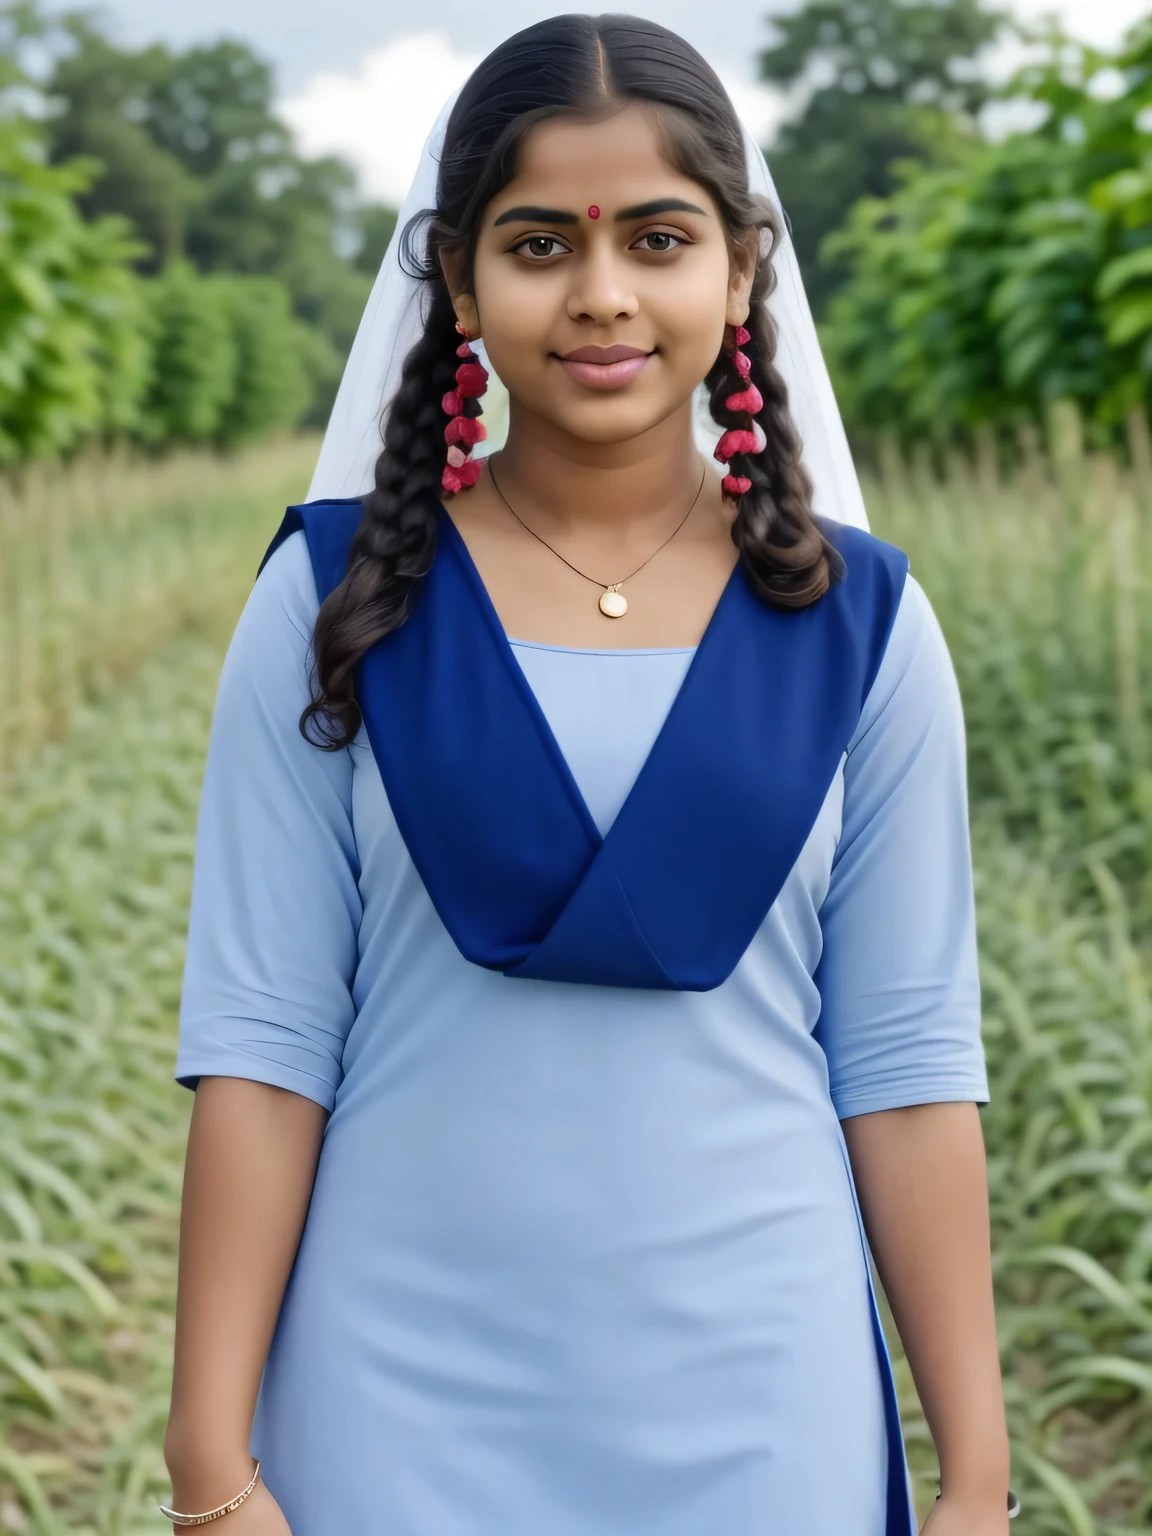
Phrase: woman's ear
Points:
(741, 273)
(452, 266)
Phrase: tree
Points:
(376, 224)
(883, 81)
(1014, 275)
(195, 156)
(97, 102)
(273, 374)
(194, 381)
(74, 352)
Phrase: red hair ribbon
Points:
(749, 399)
(735, 440)
(465, 429)
(460, 477)
(462, 432)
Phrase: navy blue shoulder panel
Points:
(887, 565)
(328, 527)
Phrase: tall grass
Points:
(98, 837)
(1041, 580)
(101, 566)
(103, 561)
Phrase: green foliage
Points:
(73, 351)
(886, 80)
(1040, 585)
(194, 154)
(246, 311)
(89, 350)
(376, 225)
(274, 361)
(97, 834)
(100, 96)
(231, 361)
(888, 50)
(194, 380)
(104, 560)
(1015, 275)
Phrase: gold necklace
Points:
(613, 603)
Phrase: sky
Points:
(366, 78)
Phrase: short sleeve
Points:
(898, 977)
(274, 923)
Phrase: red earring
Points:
(463, 431)
(461, 328)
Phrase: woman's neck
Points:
(613, 492)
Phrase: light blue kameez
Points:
(579, 1260)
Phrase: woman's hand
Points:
(956, 1517)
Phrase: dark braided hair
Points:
(587, 65)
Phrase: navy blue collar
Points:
(497, 827)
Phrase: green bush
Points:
(1039, 582)
(232, 363)
(273, 376)
(1015, 274)
(195, 364)
(73, 330)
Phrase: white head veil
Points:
(392, 322)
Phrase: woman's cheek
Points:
(517, 324)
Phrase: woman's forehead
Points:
(608, 162)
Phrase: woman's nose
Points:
(601, 289)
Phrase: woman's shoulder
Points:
(285, 587)
(272, 642)
(327, 527)
(916, 677)
(861, 549)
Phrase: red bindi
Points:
(593, 212)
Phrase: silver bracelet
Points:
(212, 1514)
(1013, 1505)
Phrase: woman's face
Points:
(603, 279)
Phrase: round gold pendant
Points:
(613, 603)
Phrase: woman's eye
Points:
(540, 246)
(670, 241)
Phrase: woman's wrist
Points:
(204, 1475)
(979, 1485)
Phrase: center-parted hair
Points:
(588, 66)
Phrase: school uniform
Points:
(587, 952)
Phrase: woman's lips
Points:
(607, 375)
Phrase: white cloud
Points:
(1100, 22)
(379, 115)
(760, 107)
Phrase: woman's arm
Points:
(251, 1161)
(921, 1178)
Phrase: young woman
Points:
(583, 906)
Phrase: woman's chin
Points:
(612, 416)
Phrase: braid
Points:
(785, 556)
(396, 539)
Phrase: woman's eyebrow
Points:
(532, 215)
(659, 205)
